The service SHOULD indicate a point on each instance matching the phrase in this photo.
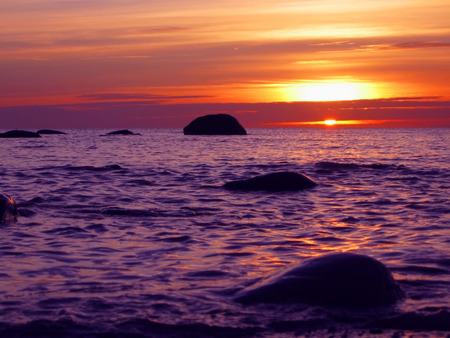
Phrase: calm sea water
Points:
(133, 235)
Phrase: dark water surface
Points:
(134, 236)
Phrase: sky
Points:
(283, 63)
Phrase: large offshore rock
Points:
(218, 124)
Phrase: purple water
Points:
(134, 236)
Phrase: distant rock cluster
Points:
(29, 134)
(215, 124)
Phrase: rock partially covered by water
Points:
(50, 132)
(122, 132)
(19, 133)
(342, 280)
(281, 181)
(218, 124)
(8, 208)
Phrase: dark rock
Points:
(121, 132)
(282, 181)
(50, 132)
(342, 280)
(8, 208)
(218, 124)
(19, 133)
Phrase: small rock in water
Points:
(341, 279)
(8, 208)
(216, 124)
(281, 181)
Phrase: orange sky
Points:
(78, 57)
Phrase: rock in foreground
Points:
(8, 208)
(342, 280)
(218, 124)
(19, 133)
(281, 181)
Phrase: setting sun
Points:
(329, 122)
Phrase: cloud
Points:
(421, 44)
(408, 45)
(136, 96)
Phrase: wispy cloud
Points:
(409, 45)
(136, 96)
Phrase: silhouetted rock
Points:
(8, 208)
(121, 132)
(19, 133)
(341, 279)
(218, 124)
(281, 181)
(50, 132)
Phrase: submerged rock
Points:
(8, 208)
(281, 181)
(121, 132)
(217, 124)
(19, 133)
(341, 279)
(50, 132)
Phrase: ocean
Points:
(134, 236)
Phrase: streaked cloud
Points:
(135, 96)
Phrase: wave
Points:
(422, 270)
(134, 327)
(352, 166)
(398, 172)
(141, 182)
(183, 212)
(438, 321)
(109, 167)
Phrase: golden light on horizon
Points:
(330, 122)
(330, 91)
